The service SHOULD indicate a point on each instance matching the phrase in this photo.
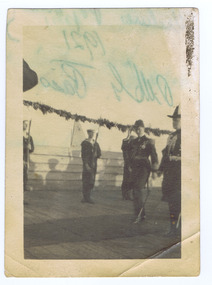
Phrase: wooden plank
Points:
(121, 248)
(52, 185)
(69, 176)
(56, 160)
(46, 167)
(54, 150)
(112, 155)
(39, 253)
(65, 151)
(73, 167)
(72, 185)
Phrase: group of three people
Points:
(138, 167)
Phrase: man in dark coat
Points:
(171, 168)
(126, 182)
(28, 147)
(141, 149)
(90, 152)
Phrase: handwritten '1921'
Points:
(77, 39)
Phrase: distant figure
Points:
(90, 152)
(28, 147)
(127, 182)
(140, 167)
(171, 168)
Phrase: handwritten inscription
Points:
(147, 21)
(143, 88)
(89, 45)
(93, 12)
(72, 83)
(90, 41)
(69, 17)
(12, 38)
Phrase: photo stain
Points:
(189, 42)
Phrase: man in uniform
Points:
(140, 150)
(127, 182)
(90, 152)
(28, 147)
(171, 168)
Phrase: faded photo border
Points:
(16, 265)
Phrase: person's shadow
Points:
(35, 180)
(54, 176)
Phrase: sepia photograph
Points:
(105, 174)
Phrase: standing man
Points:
(127, 181)
(28, 147)
(140, 167)
(171, 168)
(90, 152)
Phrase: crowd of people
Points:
(140, 161)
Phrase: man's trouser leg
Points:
(125, 183)
(85, 185)
(88, 184)
(25, 176)
(141, 176)
(175, 211)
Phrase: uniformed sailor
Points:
(28, 147)
(171, 168)
(90, 152)
(141, 149)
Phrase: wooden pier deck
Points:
(58, 226)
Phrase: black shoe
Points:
(90, 201)
(83, 201)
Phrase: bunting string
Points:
(101, 122)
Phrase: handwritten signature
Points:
(143, 89)
(73, 82)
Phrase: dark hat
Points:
(139, 123)
(91, 131)
(177, 113)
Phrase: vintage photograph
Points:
(104, 166)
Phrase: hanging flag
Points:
(77, 136)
